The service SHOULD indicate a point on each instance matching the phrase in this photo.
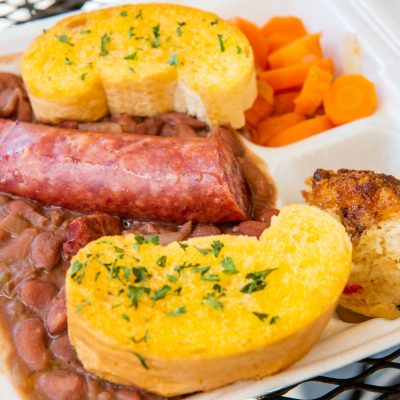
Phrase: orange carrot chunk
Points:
(262, 107)
(284, 102)
(272, 126)
(315, 86)
(301, 131)
(252, 117)
(291, 26)
(350, 97)
(256, 39)
(280, 31)
(294, 76)
(302, 50)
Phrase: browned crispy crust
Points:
(357, 198)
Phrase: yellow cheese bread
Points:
(141, 60)
(209, 311)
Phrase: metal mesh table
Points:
(376, 377)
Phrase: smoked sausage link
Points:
(135, 176)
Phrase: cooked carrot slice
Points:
(350, 97)
(294, 76)
(292, 26)
(252, 117)
(272, 126)
(302, 50)
(266, 91)
(262, 107)
(284, 102)
(256, 39)
(282, 30)
(315, 86)
(301, 131)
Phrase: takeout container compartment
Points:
(370, 143)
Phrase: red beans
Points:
(266, 215)
(57, 315)
(26, 210)
(29, 338)
(205, 230)
(127, 395)
(62, 385)
(18, 248)
(45, 250)
(37, 294)
(62, 349)
(252, 228)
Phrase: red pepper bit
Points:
(352, 288)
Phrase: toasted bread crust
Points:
(141, 60)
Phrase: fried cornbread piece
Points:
(141, 60)
(208, 311)
(357, 198)
(368, 205)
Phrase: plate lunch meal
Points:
(197, 200)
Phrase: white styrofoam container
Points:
(371, 143)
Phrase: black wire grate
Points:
(377, 377)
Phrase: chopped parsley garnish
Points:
(118, 249)
(219, 289)
(185, 265)
(156, 33)
(125, 317)
(97, 276)
(179, 31)
(105, 41)
(141, 359)
(216, 247)
(210, 278)
(159, 294)
(64, 39)
(83, 76)
(68, 61)
(239, 50)
(131, 32)
(139, 14)
(178, 291)
(123, 13)
(260, 316)
(274, 320)
(211, 301)
(172, 278)
(221, 43)
(178, 311)
(132, 69)
(153, 239)
(80, 306)
(257, 281)
(228, 266)
(214, 22)
(132, 56)
(201, 270)
(78, 271)
(173, 60)
(85, 32)
(127, 273)
(135, 293)
(162, 261)
(183, 246)
(144, 338)
(203, 251)
(141, 274)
